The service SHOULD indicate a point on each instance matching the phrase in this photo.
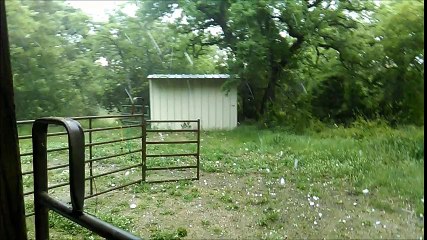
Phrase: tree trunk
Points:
(12, 211)
(270, 91)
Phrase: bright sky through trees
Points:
(99, 10)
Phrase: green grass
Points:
(387, 161)
(245, 166)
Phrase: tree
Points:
(400, 32)
(53, 68)
(265, 39)
(135, 48)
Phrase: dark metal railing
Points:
(90, 145)
(197, 141)
(43, 202)
(144, 127)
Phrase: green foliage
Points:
(56, 52)
(297, 61)
(367, 154)
(334, 163)
(270, 216)
(401, 34)
(169, 235)
(51, 60)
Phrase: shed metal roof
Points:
(188, 76)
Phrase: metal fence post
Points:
(41, 217)
(76, 165)
(144, 148)
(198, 149)
(90, 158)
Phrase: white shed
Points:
(191, 97)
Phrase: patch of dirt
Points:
(224, 206)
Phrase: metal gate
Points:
(131, 151)
(191, 130)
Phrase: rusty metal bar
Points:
(115, 171)
(49, 150)
(58, 185)
(86, 131)
(90, 158)
(50, 187)
(86, 118)
(172, 180)
(111, 156)
(198, 149)
(49, 135)
(30, 172)
(113, 141)
(87, 161)
(136, 105)
(112, 189)
(24, 122)
(85, 220)
(28, 193)
(171, 142)
(173, 155)
(29, 214)
(105, 116)
(170, 168)
(99, 193)
(49, 168)
(111, 128)
(144, 149)
(87, 178)
(171, 130)
(166, 121)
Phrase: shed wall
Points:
(190, 99)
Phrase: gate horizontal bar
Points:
(49, 168)
(115, 171)
(173, 155)
(170, 168)
(49, 150)
(171, 130)
(113, 141)
(49, 135)
(88, 117)
(112, 189)
(171, 142)
(170, 121)
(112, 156)
(88, 221)
(172, 180)
(112, 128)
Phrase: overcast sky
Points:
(99, 10)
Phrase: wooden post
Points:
(12, 210)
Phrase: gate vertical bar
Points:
(41, 217)
(144, 148)
(198, 149)
(90, 157)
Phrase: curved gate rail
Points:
(43, 202)
(138, 153)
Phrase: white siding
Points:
(192, 99)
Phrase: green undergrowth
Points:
(388, 161)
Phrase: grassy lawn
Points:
(360, 182)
